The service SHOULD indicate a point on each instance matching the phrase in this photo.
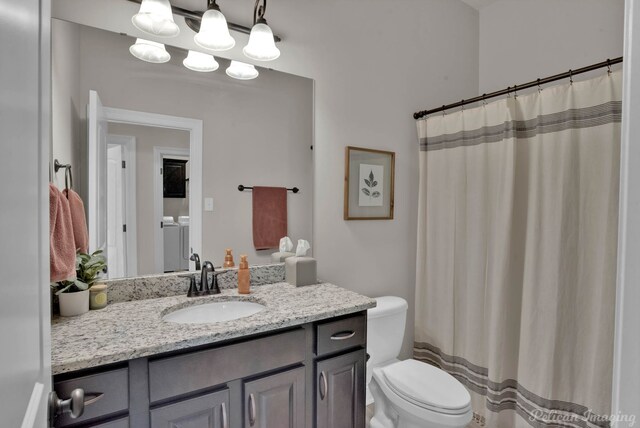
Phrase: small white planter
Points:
(72, 304)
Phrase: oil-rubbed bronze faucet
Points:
(204, 278)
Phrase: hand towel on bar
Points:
(269, 216)
(78, 220)
(62, 259)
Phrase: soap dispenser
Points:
(243, 276)
(228, 259)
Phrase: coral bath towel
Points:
(61, 243)
(269, 216)
(78, 220)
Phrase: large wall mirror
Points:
(157, 151)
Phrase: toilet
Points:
(409, 393)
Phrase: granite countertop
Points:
(128, 330)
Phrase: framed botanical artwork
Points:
(368, 184)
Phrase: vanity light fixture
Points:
(214, 31)
(149, 51)
(242, 71)
(155, 17)
(198, 61)
(261, 46)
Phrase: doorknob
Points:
(73, 405)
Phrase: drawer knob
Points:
(73, 405)
(343, 335)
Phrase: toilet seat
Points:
(427, 387)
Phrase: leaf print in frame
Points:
(371, 185)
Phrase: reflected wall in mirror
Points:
(256, 133)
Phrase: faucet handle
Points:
(193, 288)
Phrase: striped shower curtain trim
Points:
(610, 112)
(509, 394)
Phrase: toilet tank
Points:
(385, 329)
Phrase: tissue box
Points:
(280, 256)
(300, 271)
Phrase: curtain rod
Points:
(569, 74)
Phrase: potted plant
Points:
(73, 294)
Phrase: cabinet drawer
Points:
(174, 376)
(105, 394)
(334, 336)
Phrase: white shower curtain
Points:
(516, 261)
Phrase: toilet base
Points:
(403, 414)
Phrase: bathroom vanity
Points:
(298, 363)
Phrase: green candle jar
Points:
(98, 296)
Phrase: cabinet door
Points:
(340, 391)
(276, 401)
(207, 411)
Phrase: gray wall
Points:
(66, 125)
(523, 40)
(255, 133)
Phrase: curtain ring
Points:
(484, 100)
(508, 91)
(462, 105)
(444, 111)
(571, 77)
(515, 91)
(608, 67)
(539, 88)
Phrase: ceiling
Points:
(479, 4)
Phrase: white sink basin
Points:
(214, 312)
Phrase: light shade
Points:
(149, 51)
(261, 46)
(214, 32)
(242, 71)
(155, 17)
(198, 61)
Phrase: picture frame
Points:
(368, 184)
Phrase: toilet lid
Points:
(427, 386)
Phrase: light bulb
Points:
(242, 71)
(155, 17)
(261, 46)
(149, 51)
(214, 32)
(198, 61)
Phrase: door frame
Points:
(158, 199)
(128, 144)
(625, 400)
(194, 127)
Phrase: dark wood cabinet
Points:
(301, 377)
(174, 178)
(207, 411)
(276, 401)
(340, 391)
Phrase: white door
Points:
(116, 244)
(25, 358)
(97, 169)
(128, 192)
